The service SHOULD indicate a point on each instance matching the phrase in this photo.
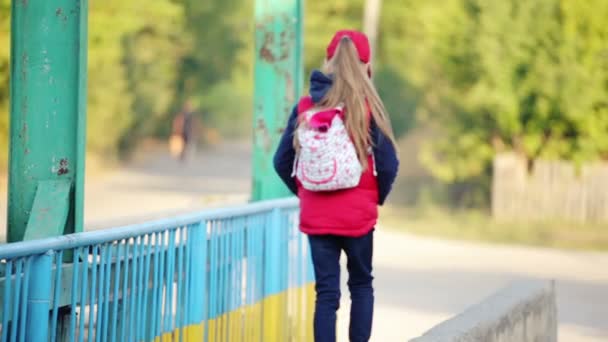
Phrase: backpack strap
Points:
(304, 104)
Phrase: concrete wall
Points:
(525, 311)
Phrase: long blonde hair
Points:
(353, 87)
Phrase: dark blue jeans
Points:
(325, 250)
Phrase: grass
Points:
(476, 225)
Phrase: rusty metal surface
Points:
(278, 84)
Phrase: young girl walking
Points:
(338, 156)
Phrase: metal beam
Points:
(278, 84)
(48, 112)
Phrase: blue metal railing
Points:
(235, 274)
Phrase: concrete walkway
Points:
(422, 281)
(160, 186)
(419, 281)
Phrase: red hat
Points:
(359, 39)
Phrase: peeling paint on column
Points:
(265, 52)
(63, 167)
(277, 86)
(263, 135)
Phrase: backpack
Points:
(327, 159)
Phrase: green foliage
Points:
(5, 26)
(152, 55)
(399, 96)
(109, 101)
(216, 69)
(219, 31)
(132, 62)
(525, 76)
(227, 109)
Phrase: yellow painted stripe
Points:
(195, 332)
(302, 311)
(274, 319)
(212, 329)
(286, 316)
(310, 311)
(257, 321)
(220, 328)
(236, 325)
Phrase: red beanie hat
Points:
(359, 39)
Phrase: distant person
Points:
(182, 132)
(338, 156)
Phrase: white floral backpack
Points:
(327, 159)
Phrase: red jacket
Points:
(350, 212)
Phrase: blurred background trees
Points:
(462, 79)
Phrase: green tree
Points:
(216, 69)
(583, 94)
(152, 55)
(216, 29)
(510, 75)
(122, 95)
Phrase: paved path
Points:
(419, 281)
(162, 186)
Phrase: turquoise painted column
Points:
(48, 105)
(278, 84)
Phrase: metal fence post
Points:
(274, 315)
(39, 298)
(199, 268)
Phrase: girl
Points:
(344, 219)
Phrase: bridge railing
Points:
(235, 274)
